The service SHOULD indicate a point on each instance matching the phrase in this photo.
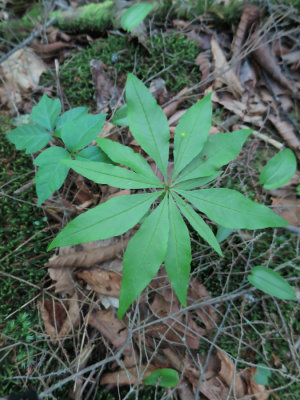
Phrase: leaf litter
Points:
(168, 342)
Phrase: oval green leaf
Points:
(165, 377)
(270, 282)
(135, 15)
(279, 170)
(120, 117)
(46, 112)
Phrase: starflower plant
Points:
(162, 206)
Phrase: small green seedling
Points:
(74, 130)
(165, 377)
(278, 170)
(163, 236)
(271, 282)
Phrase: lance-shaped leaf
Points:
(279, 170)
(92, 153)
(109, 219)
(191, 133)
(198, 224)
(271, 282)
(31, 138)
(46, 112)
(147, 122)
(178, 257)
(231, 209)
(218, 150)
(135, 15)
(197, 182)
(108, 174)
(124, 155)
(120, 117)
(51, 173)
(79, 133)
(70, 115)
(144, 255)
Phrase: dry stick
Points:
(28, 40)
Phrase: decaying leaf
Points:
(101, 281)
(106, 92)
(249, 112)
(171, 108)
(88, 258)
(203, 60)
(224, 75)
(266, 60)
(21, 73)
(230, 376)
(128, 376)
(60, 318)
(252, 387)
(288, 208)
(106, 322)
(249, 21)
(286, 131)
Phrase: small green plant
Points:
(271, 282)
(163, 235)
(75, 129)
(134, 15)
(278, 170)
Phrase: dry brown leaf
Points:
(172, 330)
(102, 281)
(88, 258)
(203, 60)
(60, 319)
(224, 75)
(63, 277)
(249, 20)
(123, 192)
(173, 120)
(110, 326)
(170, 109)
(207, 315)
(288, 208)
(214, 389)
(286, 131)
(229, 375)
(21, 73)
(128, 376)
(105, 91)
(251, 112)
(84, 194)
(267, 61)
(252, 387)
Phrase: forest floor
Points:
(249, 57)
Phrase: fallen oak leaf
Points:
(259, 391)
(223, 72)
(88, 258)
(102, 281)
(286, 131)
(229, 375)
(60, 317)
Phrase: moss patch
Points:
(172, 58)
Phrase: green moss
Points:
(174, 53)
(92, 17)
